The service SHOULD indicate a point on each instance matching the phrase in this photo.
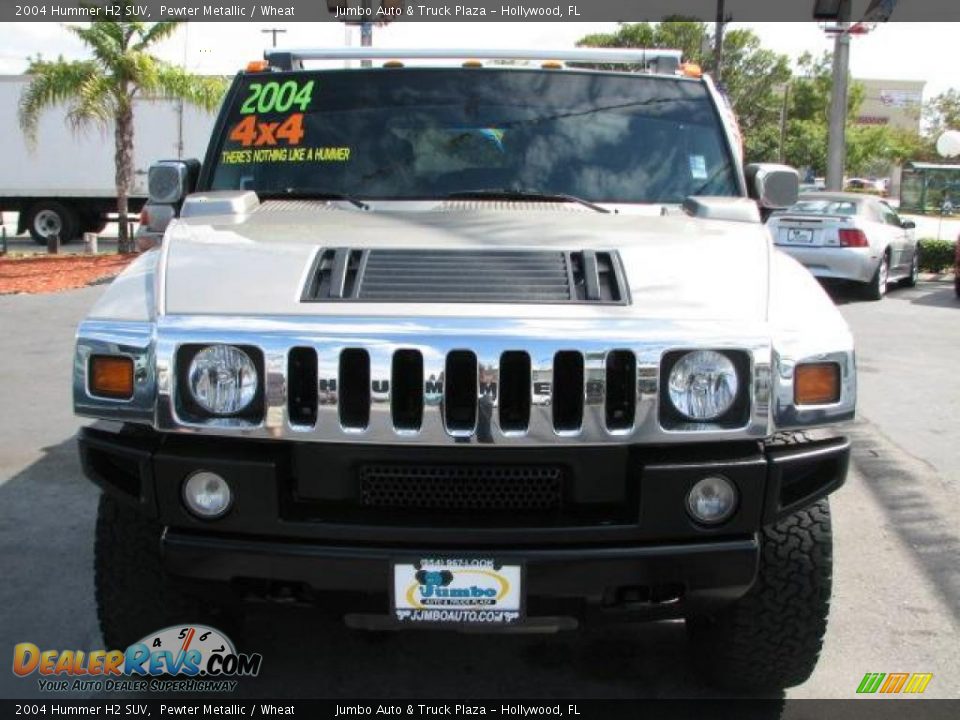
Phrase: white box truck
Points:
(65, 181)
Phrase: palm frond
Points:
(93, 104)
(173, 82)
(157, 32)
(54, 83)
(103, 38)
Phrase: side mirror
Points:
(170, 181)
(773, 186)
(907, 224)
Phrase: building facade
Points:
(896, 103)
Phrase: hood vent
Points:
(466, 276)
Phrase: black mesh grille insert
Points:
(567, 390)
(302, 386)
(475, 488)
(354, 388)
(514, 391)
(460, 391)
(406, 404)
(620, 404)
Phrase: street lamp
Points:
(274, 32)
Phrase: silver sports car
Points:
(846, 236)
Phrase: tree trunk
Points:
(124, 176)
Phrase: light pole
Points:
(718, 43)
(366, 31)
(274, 32)
(836, 140)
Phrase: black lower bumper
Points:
(663, 580)
(620, 539)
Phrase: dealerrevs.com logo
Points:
(182, 658)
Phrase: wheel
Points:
(49, 217)
(877, 287)
(135, 596)
(914, 276)
(93, 223)
(770, 639)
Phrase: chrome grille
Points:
(473, 398)
(407, 396)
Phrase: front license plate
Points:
(799, 237)
(457, 591)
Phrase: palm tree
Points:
(101, 90)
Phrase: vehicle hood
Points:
(676, 266)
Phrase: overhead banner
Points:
(362, 11)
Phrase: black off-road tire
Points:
(135, 596)
(771, 638)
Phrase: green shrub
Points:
(936, 255)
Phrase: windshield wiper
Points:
(315, 194)
(512, 194)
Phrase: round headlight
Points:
(703, 385)
(222, 379)
(206, 495)
(712, 500)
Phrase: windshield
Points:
(428, 133)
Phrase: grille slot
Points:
(354, 388)
(567, 398)
(490, 276)
(597, 277)
(335, 275)
(460, 392)
(473, 488)
(620, 403)
(514, 391)
(302, 386)
(406, 383)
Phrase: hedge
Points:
(936, 255)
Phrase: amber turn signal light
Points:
(111, 377)
(816, 384)
(257, 66)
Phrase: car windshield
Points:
(823, 207)
(419, 133)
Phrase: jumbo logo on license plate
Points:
(457, 591)
(800, 237)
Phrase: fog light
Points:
(206, 495)
(712, 500)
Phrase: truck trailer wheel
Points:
(771, 638)
(94, 223)
(135, 596)
(49, 217)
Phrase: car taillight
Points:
(851, 237)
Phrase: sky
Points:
(894, 51)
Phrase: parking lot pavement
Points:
(896, 603)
